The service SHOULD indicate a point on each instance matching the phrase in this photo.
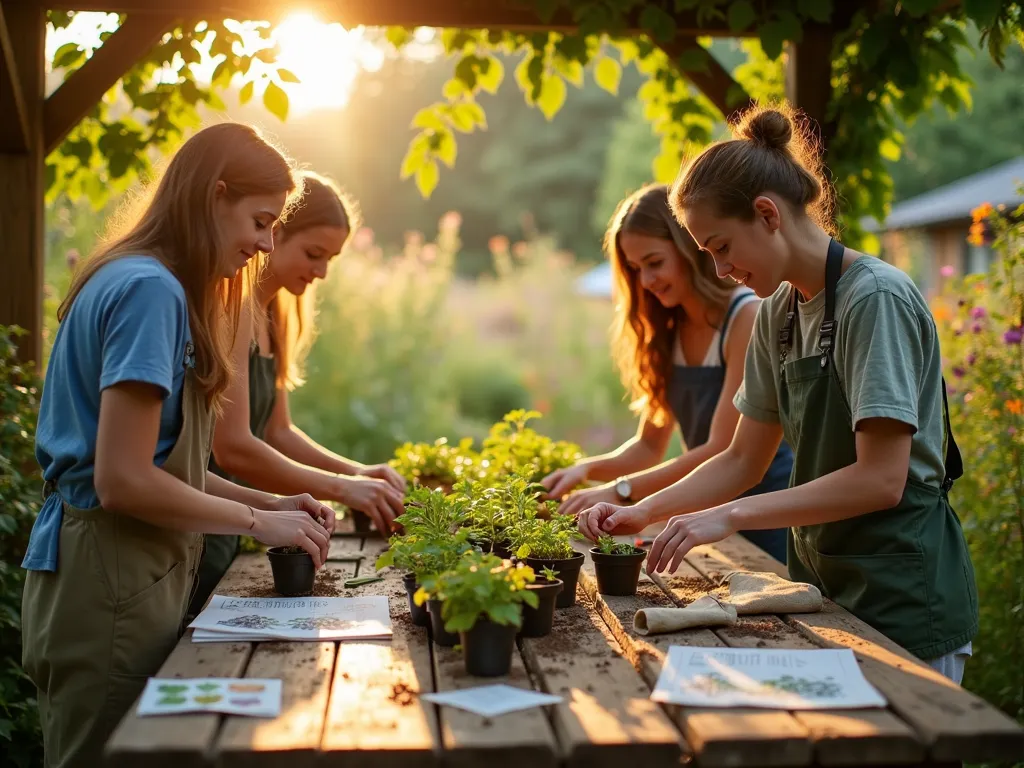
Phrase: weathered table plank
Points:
(840, 737)
(608, 717)
(717, 737)
(952, 722)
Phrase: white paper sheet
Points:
(492, 700)
(295, 618)
(230, 696)
(765, 678)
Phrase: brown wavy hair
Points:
(321, 203)
(772, 150)
(173, 220)
(644, 332)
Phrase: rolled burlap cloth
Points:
(769, 593)
(708, 611)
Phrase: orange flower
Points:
(982, 212)
(977, 233)
(1016, 407)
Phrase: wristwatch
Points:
(624, 489)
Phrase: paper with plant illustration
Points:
(227, 695)
(294, 618)
(771, 679)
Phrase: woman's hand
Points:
(608, 519)
(585, 499)
(322, 513)
(562, 481)
(685, 532)
(385, 473)
(376, 498)
(293, 528)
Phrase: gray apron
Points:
(693, 394)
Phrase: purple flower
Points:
(978, 313)
(971, 358)
(947, 271)
(976, 328)
(1014, 336)
(958, 371)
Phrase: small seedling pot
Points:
(500, 549)
(487, 648)
(537, 621)
(617, 574)
(419, 614)
(568, 571)
(441, 635)
(293, 571)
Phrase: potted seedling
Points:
(482, 600)
(617, 566)
(434, 466)
(548, 544)
(537, 620)
(293, 570)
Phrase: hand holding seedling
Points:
(374, 497)
(562, 481)
(294, 524)
(604, 519)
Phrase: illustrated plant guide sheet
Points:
(770, 679)
(228, 695)
(234, 619)
(492, 700)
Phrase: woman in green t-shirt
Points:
(844, 362)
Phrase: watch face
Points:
(623, 488)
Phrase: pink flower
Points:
(947, 271)
(1011, 431)
(958, 372)
(971, 358)
(976, 328)
(978, 313)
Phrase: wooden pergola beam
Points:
(714, 80)
(14, 127)
(73, 99)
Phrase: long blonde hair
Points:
(173, 220)
(292, 318)
(643, 331)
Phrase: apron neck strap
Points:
(954, 464)
(833, 271)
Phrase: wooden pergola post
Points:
(22, 69)
(809, 78)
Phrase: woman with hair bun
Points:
(844, 363)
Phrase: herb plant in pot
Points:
(537, 620)
(293, 570)
(617, 566)
(548, 544)
(482, 600)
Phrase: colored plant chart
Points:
(255, 698)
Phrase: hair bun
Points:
(769, 128)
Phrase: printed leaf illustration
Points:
(169, 700)
(167, 688)
(210, 699)
(248, 701)
(246, 687)
(208, 687)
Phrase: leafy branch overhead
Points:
(891, 60)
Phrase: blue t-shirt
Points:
(128, 323)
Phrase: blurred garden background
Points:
(445, 313)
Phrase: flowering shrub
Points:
(981, 322)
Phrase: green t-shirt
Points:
(886, 354)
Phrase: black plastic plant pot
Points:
(441, 635)
(293, 571)
(537, 621)
(362, 523)
(617, 574)
(419, 614)
(487, 648)
(500, 549)
(567, 570)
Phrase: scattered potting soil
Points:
(325, 585)
(764, 628)
(276, 649)
(402, 694)
(651, 594)
(688, 589)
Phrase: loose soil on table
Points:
(763, 628)
(653, 594)
(402, 694)
(688, 589)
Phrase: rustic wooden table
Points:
(355, 704)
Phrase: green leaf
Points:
(773, 37)
(447, 150)
(983, 12)
(429, 119)
(741, 15)
(890, 150)
(660, 25)
(427, 177)
(571, 70)
(918, 7)
(693, 60)
(245, 95)
(276, 100)
(490, 76)
(552, 95)
(386, 559)
(608, 74)
(455, 89)
(816, 10)
(287, 76)
(398, 36)
(68, 55)
(467, 115)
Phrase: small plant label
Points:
(765, 678)
(238, 619)
(492, 700)
(229, 696)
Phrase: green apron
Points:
(906, 571)
(96, 629)
(221, 550)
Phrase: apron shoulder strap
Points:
(954, 462)
(729, 312)
(833, 270)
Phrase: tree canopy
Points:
(889, 65)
